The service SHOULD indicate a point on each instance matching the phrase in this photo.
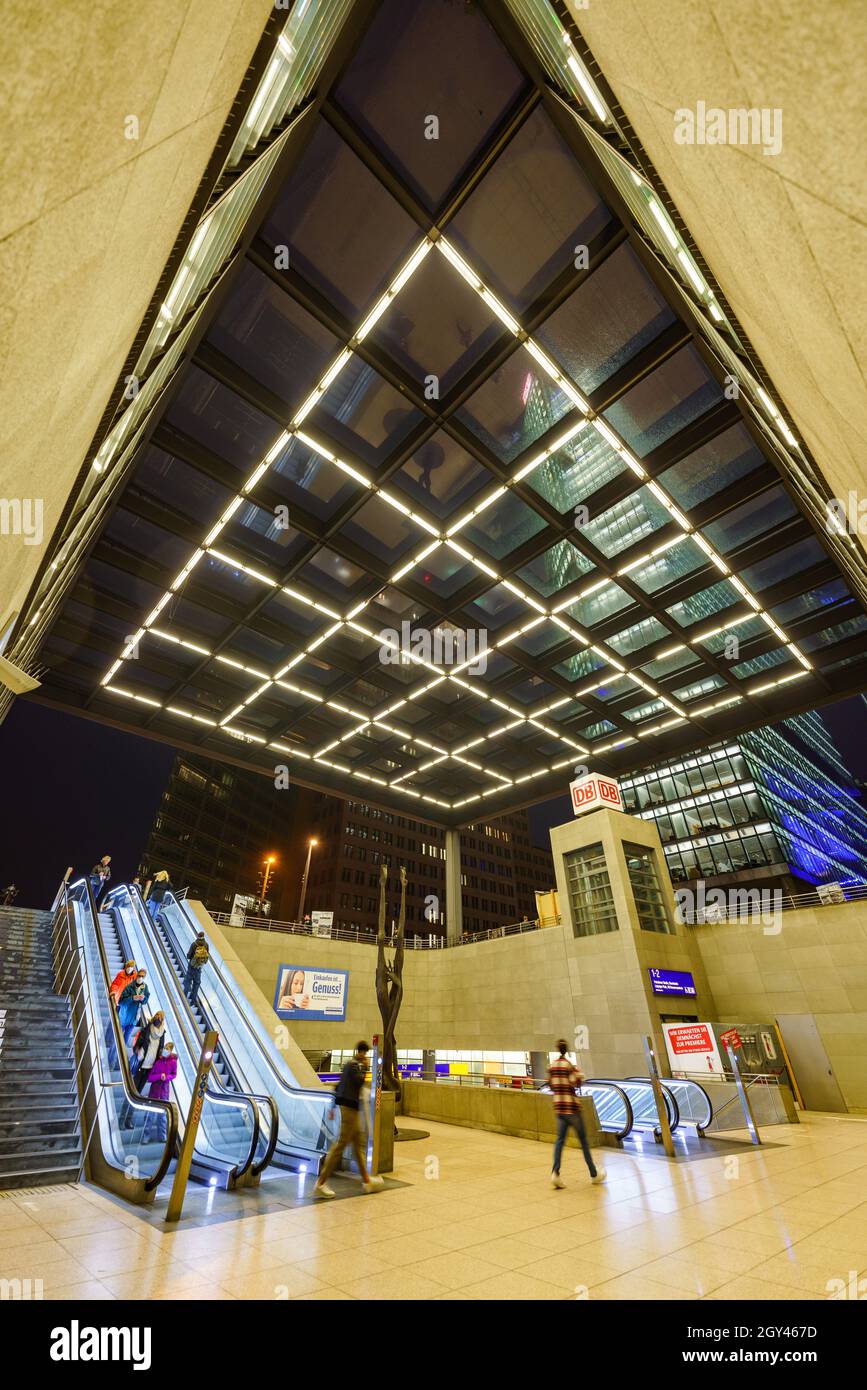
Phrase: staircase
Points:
(39, 1135)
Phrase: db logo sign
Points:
(590, 793)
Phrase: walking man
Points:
(348, 1097)
(563, 1078)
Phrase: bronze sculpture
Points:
(389, 982)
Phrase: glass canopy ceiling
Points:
(427, 378)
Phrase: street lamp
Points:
(268, 866)
(310, 843)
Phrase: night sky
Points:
(75, 790)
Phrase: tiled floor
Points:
(477, 1219)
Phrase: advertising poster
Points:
(305, 992)
(692, 1050)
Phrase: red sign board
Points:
(731, 1038)
(692, 1037)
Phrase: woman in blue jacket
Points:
(133, 997)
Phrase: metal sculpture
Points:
(389, 981)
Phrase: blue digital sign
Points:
(678, 982)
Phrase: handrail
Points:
(215, 1091)
(149, 925)
(532, 1083)
(670, 1101)
(290, 1089)
(685, 1081)
(131, 1095)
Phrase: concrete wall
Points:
(89, 217)
(523, 992)
(527, 1114)
(816, 964)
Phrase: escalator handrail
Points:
(262, 1100)
(166, 1107)
(630, 1115)
(282, 1083)
(612, 1086)
(670, 1101)
(215, 1091)
(686, 1081)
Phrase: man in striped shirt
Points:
(563, 1077)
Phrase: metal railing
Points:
(750, 903)
(413, 942)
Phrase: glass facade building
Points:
(775, 804)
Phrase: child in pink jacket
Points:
(160, 1078)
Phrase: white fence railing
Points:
(413, 942)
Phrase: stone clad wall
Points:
(522, 992)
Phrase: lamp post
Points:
(266, 877)
(310, 845)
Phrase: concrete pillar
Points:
(428, 1064)
(454, 899)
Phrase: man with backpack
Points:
(197, 958)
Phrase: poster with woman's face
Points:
(307, 993)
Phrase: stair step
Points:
(39, 1177)
(65, 1142)
(34, 1129)
(38, 1159)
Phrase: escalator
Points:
(230, 1141)
(226, 1078)
(128, 1162)
(248, 1049)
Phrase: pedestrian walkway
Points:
(477, 1219)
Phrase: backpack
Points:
(201, 955)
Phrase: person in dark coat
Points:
(161, 885)
(146, 1050)
(99, 877)
(197, 958)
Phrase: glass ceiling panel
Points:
(697, 689)
(332, 576)
(540, 639)
(639, 635)
(271, 337)
(786, 563)
(147, 540)
(608, 319)
(673, 564)
(437, 327)
(363, 415)
(504, 526)
(744, 632)
(811, 602)
(667, 400)
(766, 662)
(216, 417)
(665, 666)
(309, 481)
(763, 513)
(382, 531)
(181, 486)
(514, 407)
(583, 664)
(716, 465)
(850, 628)
(262, 532)
(626, 523)
(522, 224)
(468, 88)
(349, 259)
(441, 476)
(495, 608)
(555, 569)
(704, 604)
(602, 604)
(576, 471)
(444, 571)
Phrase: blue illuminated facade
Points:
(775, 804)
